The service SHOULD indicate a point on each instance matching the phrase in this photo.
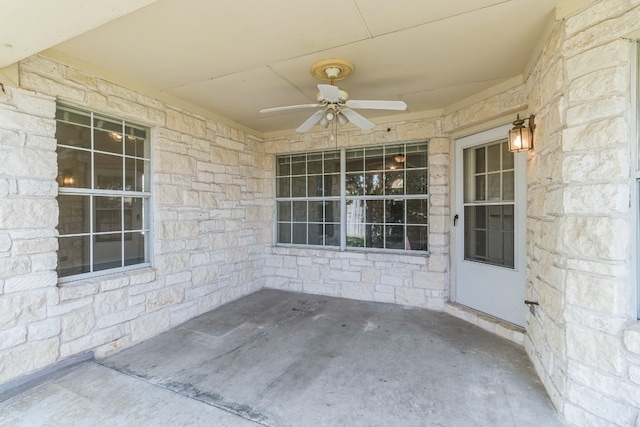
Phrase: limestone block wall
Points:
(407, 279)
(583, 339)
(212, 198)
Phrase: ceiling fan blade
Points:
(290, 107)
(311, 121)
(376, 105)
(357, 119)
(329, 93)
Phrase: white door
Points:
(489, 224)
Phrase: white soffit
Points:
(31, 26)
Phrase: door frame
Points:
(520, 207)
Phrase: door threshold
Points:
(489, 323)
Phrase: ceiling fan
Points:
(334, 104)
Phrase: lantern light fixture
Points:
(521, 136)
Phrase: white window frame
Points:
(343, 198)
(635, 184)
(144, 194)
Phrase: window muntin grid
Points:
(104, 197)
(382, 190)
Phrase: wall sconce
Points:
(521, 137)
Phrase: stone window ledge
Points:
(351, 253)
(91, 286)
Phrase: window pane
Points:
(332, 185)
(416, 238)
(480, 215)
(284, 232)
(108, 171)
(395, 237)
(74, 168)
(417, 158)
(133, 213)
(107, 251)
(316, 211)
(299, 233)
(495, 217)
(108, 216)
(74, 214)
(135, 175)
(284, 211)
(283, 166)
(395, 157)
(73, 255)
(298, 165)
(480, 188)
(109, 141)
(134, 146)
(314, 185)
(417, 212)
(375, 211)
(283, 187)
(314, 163)
(332, 235)
(332, 162)
(493, 157)
(74, 135)
(480, 160)
(299, 186)
(394, 182)
(373, 184)
(417, 181)
(507, 186)
(494, 186)
(394, 211)
(374, 236)
(300, 211)
(316, 234)
(355, 160)
(134, 244)
(374, 159)
(332, 211)
(354, 184)
(507, 157)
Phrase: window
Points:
(374, 198)
(103, 196)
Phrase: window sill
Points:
(113, 279)
(352, 250)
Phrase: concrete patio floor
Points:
(286, 359)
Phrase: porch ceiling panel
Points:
(235, 57)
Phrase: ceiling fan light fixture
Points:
(399, 158)
(329, 116)
(324, 122)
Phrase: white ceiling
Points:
(236, 57)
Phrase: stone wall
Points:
(583, 339)
(212, 198)
(407, 279)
